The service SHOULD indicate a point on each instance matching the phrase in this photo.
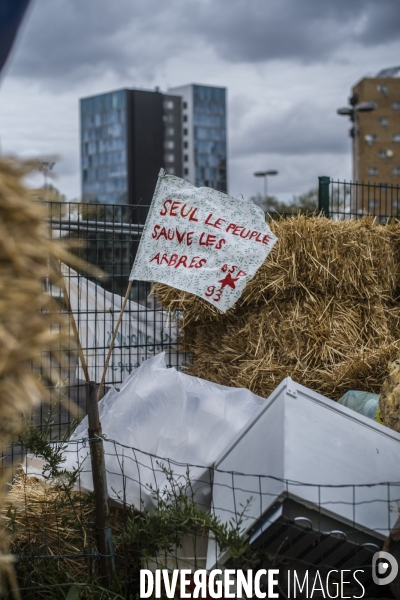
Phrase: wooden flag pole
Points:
(101, 386)
(73, 324)
(100, 487)
(103, 378)
(99, 475)
(102, 510)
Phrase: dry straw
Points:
(47, 520)
(52, 529)
(323, 309)
(30, 319)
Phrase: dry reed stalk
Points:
(30, 319)
(323, 309)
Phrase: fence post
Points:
(323, 195)
(106, 546)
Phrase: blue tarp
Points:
(11, 14)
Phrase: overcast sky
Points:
(287, 65)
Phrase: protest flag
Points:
(202, 241)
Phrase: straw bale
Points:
(323, 309)
(47, 520)
(389, 401)
(43, 520)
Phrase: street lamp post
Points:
(352, 112)
(265, 175)
(46, 166)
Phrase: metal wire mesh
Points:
(107, 237)
(186, 529)
(53, 523)
(357, 199)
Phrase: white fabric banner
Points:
(143, 332)
(202, 241)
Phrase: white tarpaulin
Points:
(202, 241)
(166, 413)
(142, 332)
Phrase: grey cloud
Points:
(304, 129)
(70, 40)
(308, 31)
(74, 39)
(61, 35)
(382, 24)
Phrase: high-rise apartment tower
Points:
(126, 137)
(204, 149)
(376, 147)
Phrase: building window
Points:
(373, 204)
(186, 158)
(185, 132)
(185, 105)
(169, 144)
(383, 121)
(168, 118)
(372, 170)
(382, 89)
(171, 170)
(186, 144)
(396, 171)
(396, 105)
(186, 171)
(370, 138)
(168, 104)
(184, 118)
(382, 154)
(170, 131)
(396, 137)
(169, 158)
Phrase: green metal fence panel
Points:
(323, 195)
(354, 200)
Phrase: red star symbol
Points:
(228, 280)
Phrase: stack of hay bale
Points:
(323, 309)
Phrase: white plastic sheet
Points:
(166, 413)
(141, 334)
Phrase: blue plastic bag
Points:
(365, 403)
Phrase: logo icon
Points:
(384, 568)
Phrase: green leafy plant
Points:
(142, 537)
(177, 515)
(39, 443)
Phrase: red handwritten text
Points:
(216, 223)
(173, 208)
(227, 281)
(172, 234)
(232, 269)
(248, 234)
(206, 239)
(210, 291)
(179, 261)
